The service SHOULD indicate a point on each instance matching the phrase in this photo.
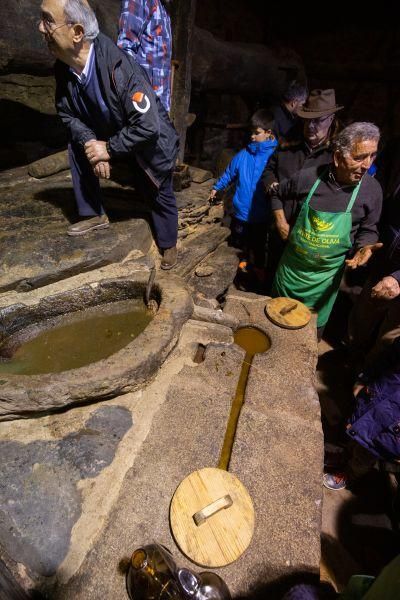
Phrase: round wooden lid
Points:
(212, 517)
(287, 313)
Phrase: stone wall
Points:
(241, 61)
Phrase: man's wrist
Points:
(108, 148)
(279, 216)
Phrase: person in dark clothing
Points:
(375, 318)
(111, 113)
(287, 123)
(313, 149)
(386, 586)
(330, 210)
(374, 426)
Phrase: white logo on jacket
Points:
(140, 102)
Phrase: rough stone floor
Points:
(81, 489)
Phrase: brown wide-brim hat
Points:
(320, 103)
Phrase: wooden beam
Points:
(183, 14)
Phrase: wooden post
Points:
(182, 15)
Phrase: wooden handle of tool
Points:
(287, 309)
(208, 511)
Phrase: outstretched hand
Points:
(386, 289)
(363, 255)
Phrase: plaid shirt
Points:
(145, 32)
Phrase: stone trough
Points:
(23, 395)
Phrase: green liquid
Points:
(79, 339)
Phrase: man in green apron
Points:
(338, 207)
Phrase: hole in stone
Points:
(117, 362)
(200, 354)
(252, 340)
(75, 339)
(74, 329)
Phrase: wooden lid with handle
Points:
(212, 517)
(287, 313)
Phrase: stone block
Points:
(200, 175)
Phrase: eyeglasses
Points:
(319, 120)
(50, 25)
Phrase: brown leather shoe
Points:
(170, 258)
(88, 224)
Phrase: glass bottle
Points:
(153, 575)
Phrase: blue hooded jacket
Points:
(245, 169)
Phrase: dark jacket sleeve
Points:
(269, 175)
(367, 232)
(142, 116)
(285, 194)
(396, 275)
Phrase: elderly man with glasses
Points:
(336, 213)
(112, 114)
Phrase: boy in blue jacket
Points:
(249, 224)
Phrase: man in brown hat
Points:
(318, 114)
(319, 125)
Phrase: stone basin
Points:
(124, 371)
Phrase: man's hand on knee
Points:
(102, 170)
(96, 151)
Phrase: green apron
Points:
(312, 264)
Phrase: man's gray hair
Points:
(79, 11)
(356, 132)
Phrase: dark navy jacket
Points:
(375, 423)
(140, 123)
(388, 174)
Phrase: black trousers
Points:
(251, 238)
